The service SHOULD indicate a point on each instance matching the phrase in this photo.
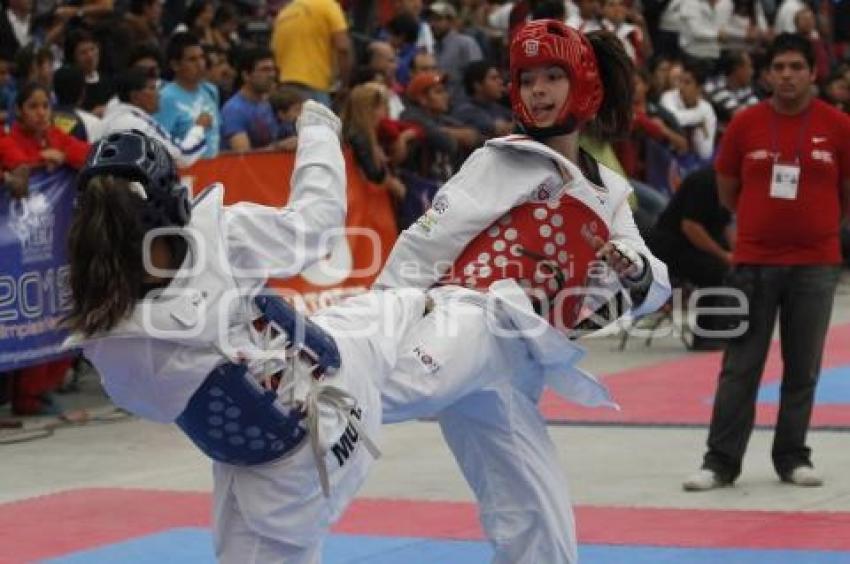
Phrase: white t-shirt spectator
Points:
(784, 22)
(700, 122)
(700, 29)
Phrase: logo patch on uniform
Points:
(532, 47)
(428, 361)
(440, 204)
(427, 221)
(347, 443)
(546, 190)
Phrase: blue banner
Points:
(34, 277)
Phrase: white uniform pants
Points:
(484, 391)
(276, 512)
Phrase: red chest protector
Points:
(544, 246)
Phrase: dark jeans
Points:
(802, 296)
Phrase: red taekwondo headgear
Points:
(551, 42)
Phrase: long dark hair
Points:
(616, 70)
(105, 252)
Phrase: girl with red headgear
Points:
(534, 211)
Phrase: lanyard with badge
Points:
(785, 175)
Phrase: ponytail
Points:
(105, 252)
(616, 71)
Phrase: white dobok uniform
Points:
(497, 433)
(153, 363)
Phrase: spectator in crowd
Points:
(401, 32)
(83, 51)
(147, 58)
(666, 40)
(382, 62)
(732, 90)
(248, 120)
(16, 26)
(588, 17)
(693, 113)
(69, 85)
(743, 25)
(674, 74)
(806, 25)
(498, 20)
(198, 21)
(7, 90)
(701, 34)
(551, 10)
(454, 50)
(693, 238)
(659, 69)
(784, 169)
(365, 108)
(35, 142)
(34, 64)
(784, 22)
(173, 14)
(423, 62)
(650, 121)
(836, 92)
(483, 108)
(310, 39)
(424, 34)
(839, 28)
(447, 141)
(630, 35)
(472, 20)
(286, 104)
(189, 100)
(225, 27)
(142, 23)
(138, 100)
(219, 72)
(86, 13)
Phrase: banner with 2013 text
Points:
(34, 289)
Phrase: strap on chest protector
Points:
(233, 419)
(304, 335)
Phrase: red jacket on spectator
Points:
(17, 148)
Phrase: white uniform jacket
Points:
(496, 178)
(154, 361)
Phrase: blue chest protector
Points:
(232, 419)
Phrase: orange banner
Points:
(370, 225)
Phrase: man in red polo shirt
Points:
(784, 168)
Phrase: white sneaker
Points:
(703, 480)
(804, 476)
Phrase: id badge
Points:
(784, 180)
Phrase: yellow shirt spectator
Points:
(305, 42)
